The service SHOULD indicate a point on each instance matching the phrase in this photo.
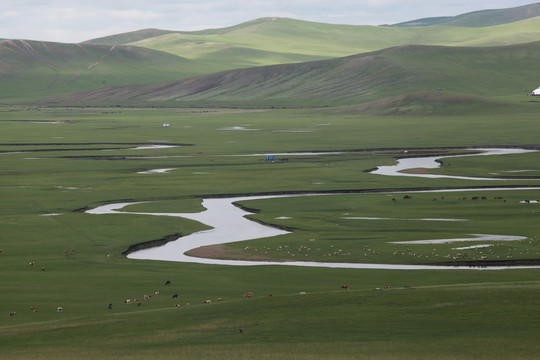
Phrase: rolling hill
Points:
(269, 41)
(479, 18)
(32, 69)
(431, 75)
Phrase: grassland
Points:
(34, 69)
(59, 160)
(441, 90)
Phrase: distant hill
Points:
(272, 62)
(427, 75)
(270, 41)
(479, 18)
(125, 38)
(32, 69)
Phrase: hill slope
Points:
(30, 69)
(455, 74)
(270, 41)
(479, 18)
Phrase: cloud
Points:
(132, 14)
(8, 14)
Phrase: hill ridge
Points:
(479, 18)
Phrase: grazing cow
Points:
(127, 301)
(483, 198)
(59, 309)
(475, 198)
(139, 303)
(302, 293)
(12, 314)
(110, 306)
(345, 287)
(219, 299)
(31, 263)
(241, 331)
(188, 304)
(1, 251)
(207, 301)
(156, 293)
(175, 296)
(147, 297)
(168, 282)
(407, 197)
(248, 295)
(177, 305)
(66, 252)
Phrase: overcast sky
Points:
(76, 21)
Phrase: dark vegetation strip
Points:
(151, 243)
(52, 150)
(91, 143)
(411, 152)
(489, 263)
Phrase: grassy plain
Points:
(56, 161)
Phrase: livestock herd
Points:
(408, 197)
(147, 297)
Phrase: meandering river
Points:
(431, 162)
(229, 224)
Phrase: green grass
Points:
(34, 70)
(62, 167)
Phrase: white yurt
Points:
(536, 92)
